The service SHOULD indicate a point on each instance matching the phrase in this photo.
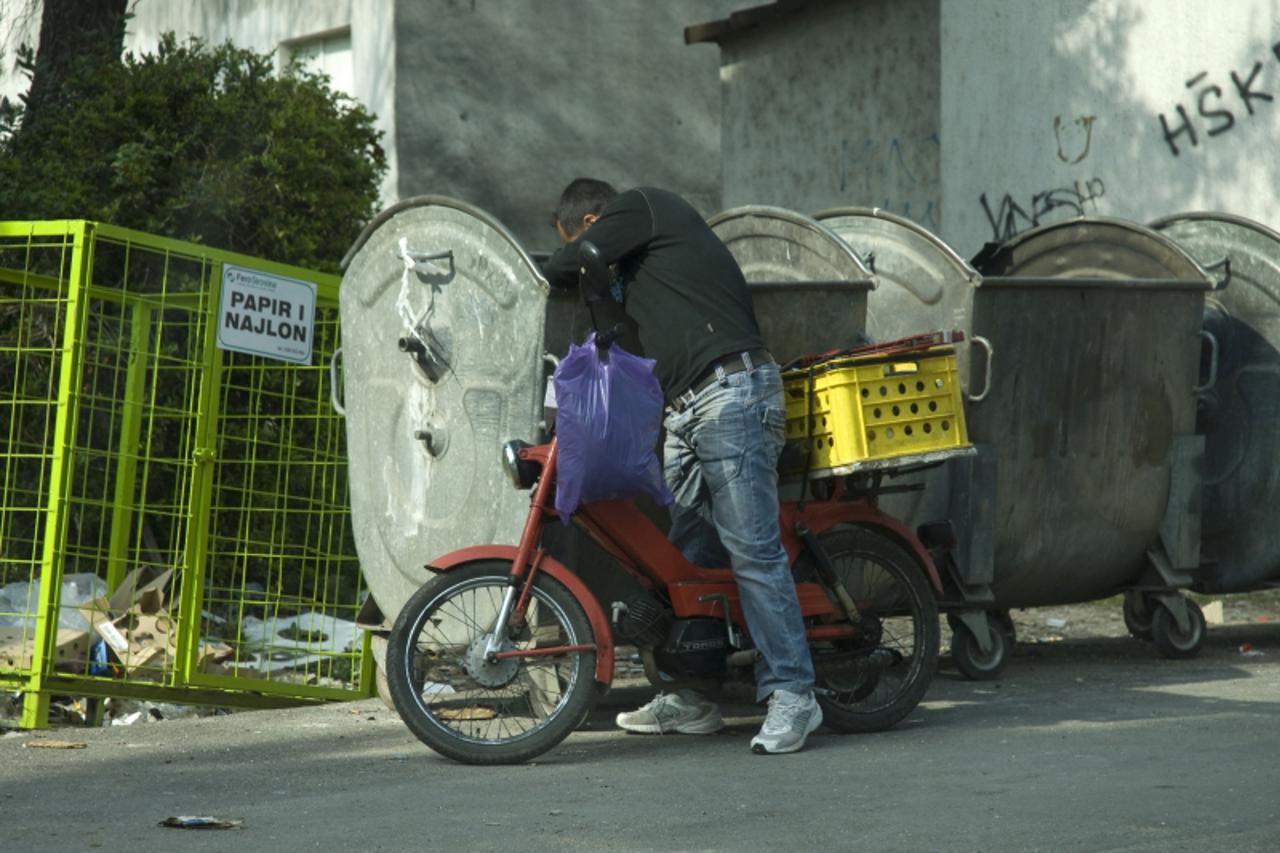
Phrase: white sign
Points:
(267, 315)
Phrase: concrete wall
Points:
(19, 24)
(1051, 109)
(503, 102)
(980, 119)
(835, 105)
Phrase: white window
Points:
(328, 53)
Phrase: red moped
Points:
(502, 654)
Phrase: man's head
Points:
(580, 206)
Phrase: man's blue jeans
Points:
(720, 460)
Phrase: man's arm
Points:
(624, 226)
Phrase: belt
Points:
(726, 366)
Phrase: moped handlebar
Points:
(593, 273)
(605, 339)
(593, 282)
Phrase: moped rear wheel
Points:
(870, 683)
(489, 712)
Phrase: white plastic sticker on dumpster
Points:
(267, 315)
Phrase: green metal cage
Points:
(194, 497)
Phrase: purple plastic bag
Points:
(608, 416)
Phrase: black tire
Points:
(1139, 613)
(973, 663)
(870, 684)
(1171, 641)
(529, 704)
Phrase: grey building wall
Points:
(503, 102)
(981, 119)
(835, 104)
(1054, 109)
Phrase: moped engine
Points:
(641, 620)
(696, 648)
(681, 648)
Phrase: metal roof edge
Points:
(743, 19)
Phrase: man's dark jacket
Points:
(680, 284)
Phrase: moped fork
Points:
(523, 569)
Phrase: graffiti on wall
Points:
(1074, 138)
(867, 168)
(1010, 217)
(1217, 108)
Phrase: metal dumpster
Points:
(808, 286)
(448, 330)
(1086, 481)
(922, 285)
(1093, 412)
(1240, 415)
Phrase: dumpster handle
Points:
(333, 384)
(1223, 264)
(1213, 363)
(986, 387)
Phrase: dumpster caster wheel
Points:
(967, 655)
(1173, 642)
(378, 644)
(384, 689)
(1138, 615)
(1004, 622)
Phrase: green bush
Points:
(200, 143)
(205, 144)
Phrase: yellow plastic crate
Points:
(872, 408)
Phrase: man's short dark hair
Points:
(581, 197)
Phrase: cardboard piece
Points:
(145, 587)
(71, 648)
(132, 621)
(134, 624)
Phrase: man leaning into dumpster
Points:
(725, 427)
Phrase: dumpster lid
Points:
(899, 251)
(496, 231)
(1090, 250)
(1233, 247)
(781, 248)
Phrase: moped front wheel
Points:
(474, 709)
(870, 683)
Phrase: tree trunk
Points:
(72, 33)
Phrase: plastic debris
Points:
(1249, 651)
(291, 642)
(202, 822)
(1212, 613)
(18, 602)
(1056, 623)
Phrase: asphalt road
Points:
(1083, 745)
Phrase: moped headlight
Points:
(521, 472)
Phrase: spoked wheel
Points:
(482, 711)
(871, 683)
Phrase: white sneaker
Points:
(792, 718)
(685, 711)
